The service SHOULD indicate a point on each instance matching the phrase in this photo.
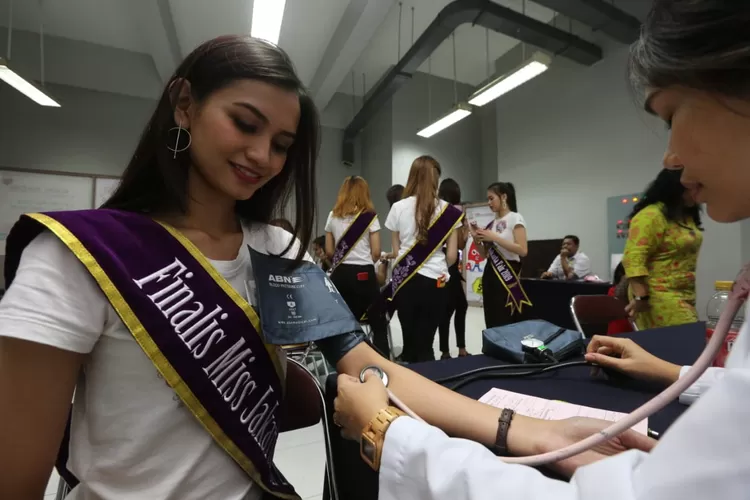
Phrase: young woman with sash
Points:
(457, 305)
(503, 243)
(148, 308)
(421, 224)
(353, 245)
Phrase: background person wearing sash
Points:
(424, 293)
(507, 234)
(248, 137)
(354, 270)
(450, 191)
(692, 62)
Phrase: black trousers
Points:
(495, 298)
(456, 303)
(358, 286)
(417, 304)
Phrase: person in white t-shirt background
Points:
(422, 297)
(508, 234)
(354, 276)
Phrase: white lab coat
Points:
(704, 455)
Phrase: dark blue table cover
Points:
(679, 344)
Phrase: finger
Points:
(607, 351)
(336, 404)
(615, 344)
(373, 378)
(605, 361)
(635, 440)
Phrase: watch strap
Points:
(503, 426)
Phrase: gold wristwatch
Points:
(373, 437)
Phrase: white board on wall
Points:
(473, 262)
(103, 189)
(24, 192)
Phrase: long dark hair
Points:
(702, 45)
(156, 183)
(450, 191)
(507, 189)
(668, 189)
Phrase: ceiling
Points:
(471, 44)
(328, 40)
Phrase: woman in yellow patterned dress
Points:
(661, 254)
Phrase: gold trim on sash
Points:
(229, 290)
(366, 231)
(511, 303)
(439, 245)
(141, 336)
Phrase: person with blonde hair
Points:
(421, 224)
(353, 245)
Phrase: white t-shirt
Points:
(361, 254)
(402, 218)
(131, 437)
(505, 225)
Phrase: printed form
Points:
(546, 409)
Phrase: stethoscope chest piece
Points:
(377, 371)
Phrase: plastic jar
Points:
(714, 308)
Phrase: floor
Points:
(300, 455)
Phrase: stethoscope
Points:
(737, 298)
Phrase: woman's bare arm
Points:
(455, 414)
(395, 243)
(375, 248)
(36, 390)
(451, 251)
(330, 245)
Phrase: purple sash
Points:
(200, 334)
(517, 297)
(412, 261)
(351, 237)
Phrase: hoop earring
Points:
(505, 204)
(177, 148)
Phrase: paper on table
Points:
(546, 409)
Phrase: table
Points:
(551, 298)
(680, 344)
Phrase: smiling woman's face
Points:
(710, 142)
(241, 135)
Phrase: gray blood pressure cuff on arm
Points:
(300, 304)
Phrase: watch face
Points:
(532, 343)
(368, 449)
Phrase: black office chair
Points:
(596, 311)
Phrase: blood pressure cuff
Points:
(299, 304)
(504, 342)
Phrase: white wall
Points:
(457, 148)
(575, 136)
(92, 133)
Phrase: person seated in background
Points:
(570, 264)
(619, 289)
(283, 224)
(319, 253)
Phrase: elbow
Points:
(523, 252)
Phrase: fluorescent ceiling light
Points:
(538, 64)
(461, 112)
(25, 87)
(267, 17)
